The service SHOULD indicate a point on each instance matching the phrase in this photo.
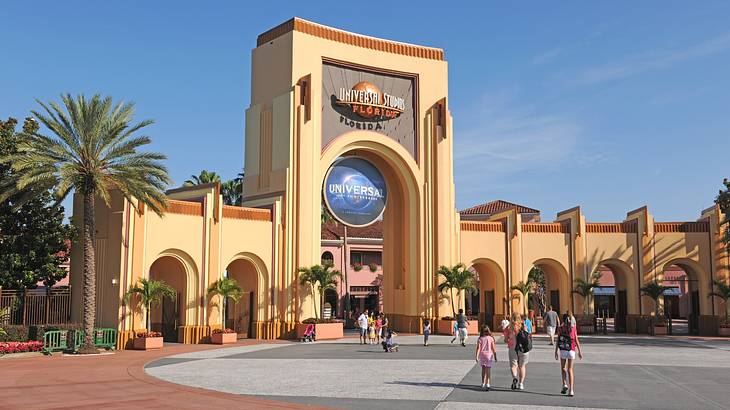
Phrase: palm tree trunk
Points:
(223, 313)
(147, 317)
(89, 281)
(453, 307)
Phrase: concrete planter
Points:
(723, 331)
(660, 330)
(223, 338)
(446, 327)
(324, 331)
(147, 343)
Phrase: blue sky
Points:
(607, 105)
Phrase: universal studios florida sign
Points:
(355, 191)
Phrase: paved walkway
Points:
(617, 372)
(115, 381)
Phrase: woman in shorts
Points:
(517, 360)
(568, 343)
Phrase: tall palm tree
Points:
(232, 192)
(524, 288)
(93, 151)
(654, 290)
(722, 292)
(321, 276)
(226, 288)
(585, 289)
(205, 177)
(456, 277)
(149, 293)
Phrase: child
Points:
(371, 334)
(426, 331)
(485, 354)
(455, 330)
(378, 329)
(389, 345)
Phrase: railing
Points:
(35, 307)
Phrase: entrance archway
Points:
(617, 297)
(242, 315)
(405, 290)
(682, 301)
(171, 313)
(557, 284)
(491, 301)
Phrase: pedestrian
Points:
(379, 327)
(519, 355)
(486, 353)
(389, 344)
(528, 324)
(551, 323)
(385, 324)
(568, 343)
(462, 324)
(572, 318)
(455, 331)
(426, 331)
(505, 323)
(362, 324)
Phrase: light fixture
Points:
(114, 281)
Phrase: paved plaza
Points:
(617, 372)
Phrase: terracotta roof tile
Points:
(497, 206)
(334, 231)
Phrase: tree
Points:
(94, 150)
(232, 191)
(654, 290)
(524, 288)
(585, 289)
(722, 291)
(456, 277)
(205, 177)
(536, 277)
(149, 293)
(33, 237)
(723, 201)
(321, 276)
(325, 216)
(226, 288)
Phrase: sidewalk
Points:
(115, 381)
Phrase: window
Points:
(327, 257)
(356, 258)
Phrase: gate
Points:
(242, 322)
(35, 306)
(621, 311)
(170, 318)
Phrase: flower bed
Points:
(148, 340)
(20, 347)
(223, 336)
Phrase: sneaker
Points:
(484, 386)
(452, 340)
(514, 384)
(488, 387)
(571, 394)
(522, 386)
(564, 390)
(463, 344)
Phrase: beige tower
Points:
(319, 94)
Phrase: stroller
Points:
(309, 335)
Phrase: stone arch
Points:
(557, 280)
(627, 297)
(696, 290)
(192, 282)
(262, 285)
(407, 288)
(327, 256)
(491, 286)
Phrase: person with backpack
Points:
(519, 345)
(567, 344)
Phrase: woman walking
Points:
(567, 344)
(518, 356)
(486, 353)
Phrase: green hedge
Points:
(20, 333)
(14, 333)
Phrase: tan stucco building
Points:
(310, 105)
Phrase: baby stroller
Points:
(309, 335)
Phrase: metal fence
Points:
(35, 306)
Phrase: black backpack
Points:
(524, 343)
(565, 342)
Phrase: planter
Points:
(324, 331)
(223, 338)
(147, 343)
(723, 331)
(660, 330)
(446, 327)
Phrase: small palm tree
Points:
(205, 177)
(95, 150)
(149, 293)
(654, 290)
(456, 277)
(321, 276)
(524, 288)
(325, 216)
(723, 292)
(232, 191)
(226, 288)
(585, 289)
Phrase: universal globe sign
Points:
(354, 191)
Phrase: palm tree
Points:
(150, 293)
(226, 288)
(321, 276)
(205, 177)
(654, 290)
(456, 277)
(539, 288)
(524, 288)
(325, 216)
(232, 192)
(722, 292)
(94, 151)
(585, 289)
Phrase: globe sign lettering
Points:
(355, 191)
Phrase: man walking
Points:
(551, 323)
(362, 324)
(461, 324)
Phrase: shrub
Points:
(373, 266)
(20, 347)
(148, 334)
(357, 267)
(312, 321)
(226, 330)
(38, 331)
(14, 333)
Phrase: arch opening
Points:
(172, 312)
(617, 295)
(490, 301)
(558, 288)
(241, 315)
(681, 304)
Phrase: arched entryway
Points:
(617, 295)
(242, 315)
(557, 284)
(490, 301)
(171, 313)
(682, 300)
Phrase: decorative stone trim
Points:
(184, 207)
(251, 214)
(539, 227)
(618, 227)
(478, 226)
(686, 227)
(341, 36)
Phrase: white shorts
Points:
(551, 330)
(463, 333)
(567, 354)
